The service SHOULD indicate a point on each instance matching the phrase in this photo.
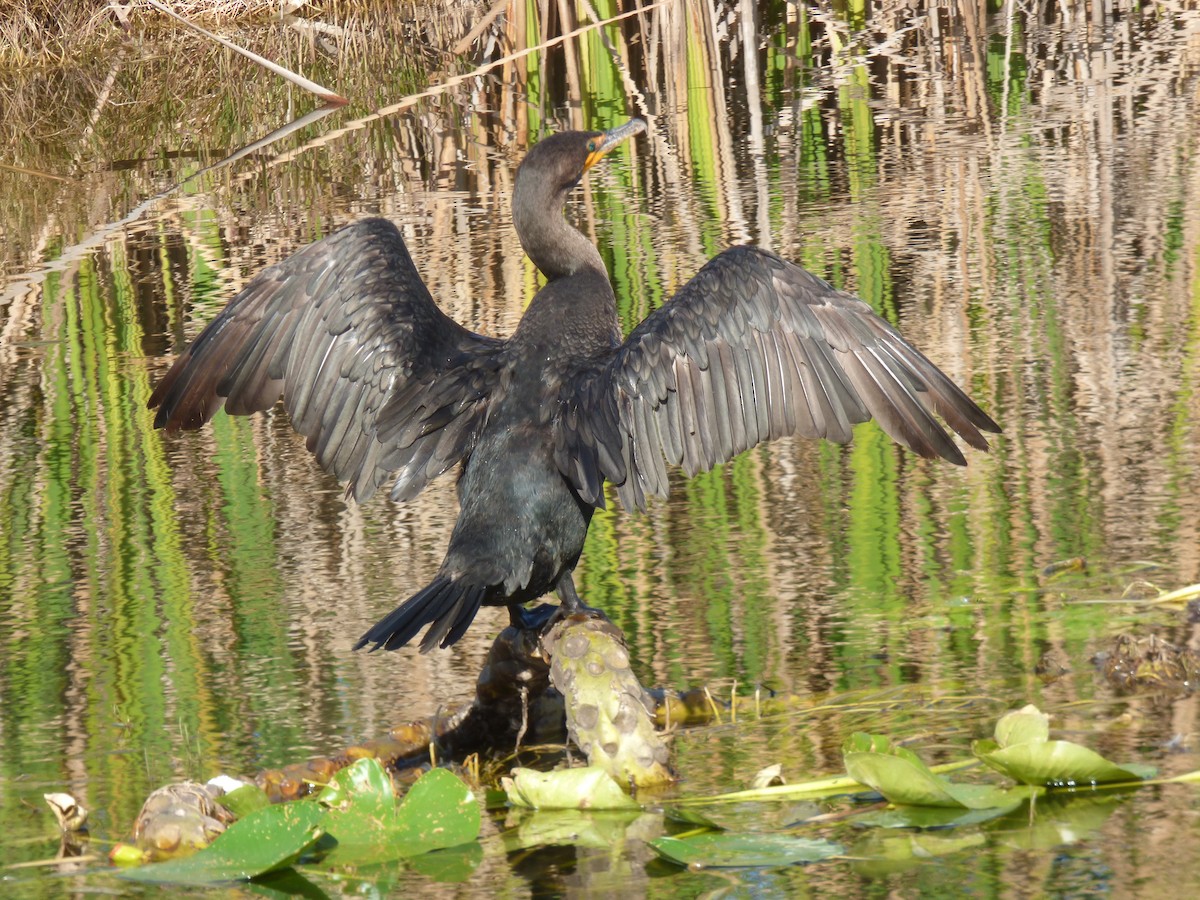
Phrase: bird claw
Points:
(544, 616)
(532, 619)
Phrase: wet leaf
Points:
(1057, 764)
(724, 849)
(268, 839)
(1023, 726)
(245, 800)
(585, 788)
(439, 811)
(901, 776)
(1022, 751)
(365, 785)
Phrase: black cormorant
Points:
(383, 385)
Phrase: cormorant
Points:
(383, 384)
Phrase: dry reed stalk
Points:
(299, 80)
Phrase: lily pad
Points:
(266, 840)
(1022, 726)
(439, 811)
(1057, 764)
(1022, 751)
(726, 849)
(245, 800)
(900, 776)
(584, 788)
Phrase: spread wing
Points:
(751, 349)
(374, 375)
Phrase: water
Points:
(1019, 197)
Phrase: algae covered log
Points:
(610, 716)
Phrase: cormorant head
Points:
(559, 161)
(550, 170)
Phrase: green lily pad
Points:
(585, 788)
(1023, 751)
(900, 776)
(439, 811)
(725, 849)
(1057, 764)
(1022, 726)
(266, 840)
(365, 786)
(245, 800)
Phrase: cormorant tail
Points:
(446, 605)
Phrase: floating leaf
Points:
(438, 811)
(245, 800)
(266, 840)
(901, 776)
(585, 788)
(365, 786)
(1022, 751)
(1057, 764)
(1021, 726)
(719, 849)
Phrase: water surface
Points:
(1019, 197)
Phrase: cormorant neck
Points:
(557, 249)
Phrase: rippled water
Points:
(1019, 197)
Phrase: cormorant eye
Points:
(591, 147)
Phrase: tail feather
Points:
(447, 606)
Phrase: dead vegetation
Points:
(63, 32)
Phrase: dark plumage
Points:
(384, 385)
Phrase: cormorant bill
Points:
(383, 385)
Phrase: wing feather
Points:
(751, 349)
(372, 373)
